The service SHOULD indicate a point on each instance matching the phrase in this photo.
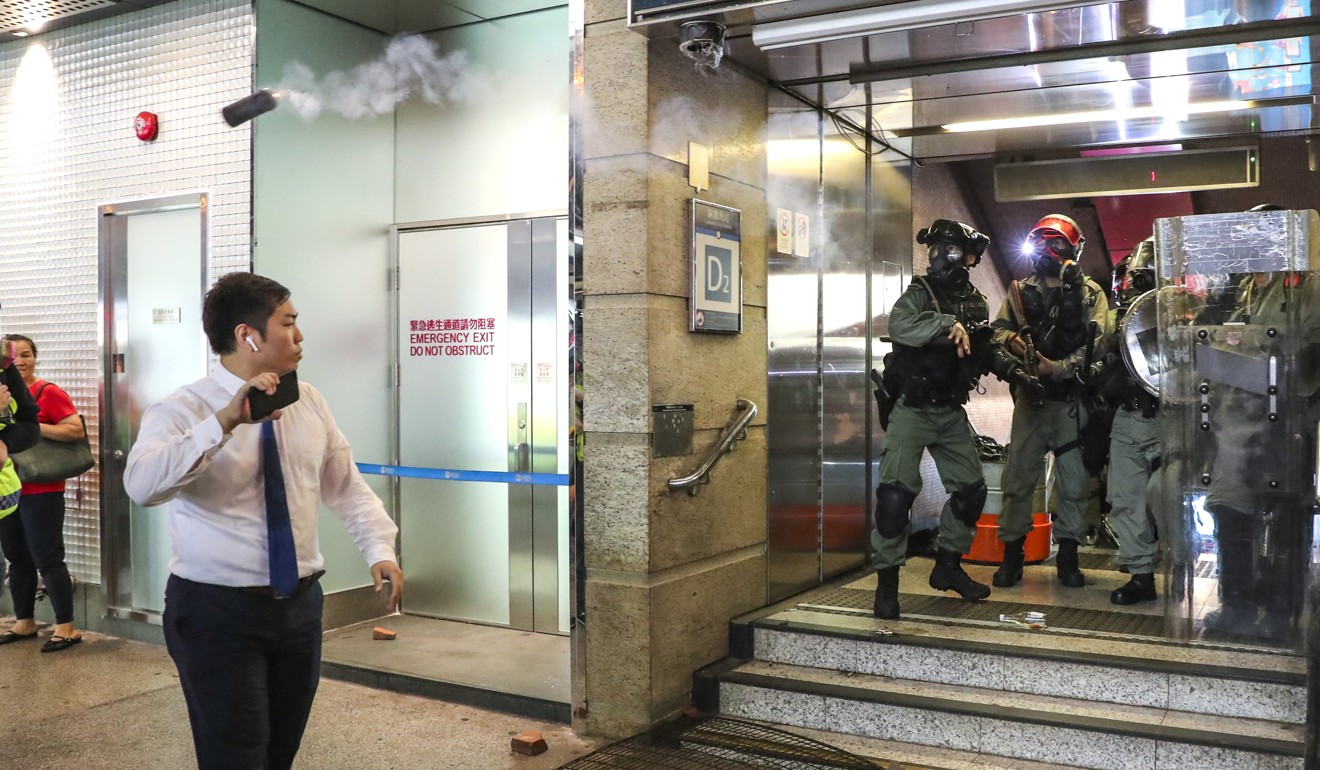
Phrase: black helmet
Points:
(948, 243)
(1267, 207)
(1134, 274)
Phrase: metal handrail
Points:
(732, 434)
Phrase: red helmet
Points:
(1058, 236)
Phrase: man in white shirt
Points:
(243, 628)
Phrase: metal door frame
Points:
(112, 299)
(540, 596)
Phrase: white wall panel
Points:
(67, 103)
(324, 201)
(505, 149)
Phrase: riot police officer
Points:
(1050, 319)
(1134, 443)
(1260, 493)
(942, 346)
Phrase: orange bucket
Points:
(987, 548)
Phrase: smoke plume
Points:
(411, 66)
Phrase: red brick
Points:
(529, 742)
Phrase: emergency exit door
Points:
(152, 279)
(483, 409)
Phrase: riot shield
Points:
(1236, 372)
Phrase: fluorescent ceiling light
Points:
(1113, 115)
(897, 17)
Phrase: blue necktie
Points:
(279, 531)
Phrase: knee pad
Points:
(892, 506)
(968, 503)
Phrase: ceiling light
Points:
(1114, 115)
(898, 17)
(19, 33)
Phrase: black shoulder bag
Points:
(50, 461)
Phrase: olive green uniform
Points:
(931, 416)
(1054, 425)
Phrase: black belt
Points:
(1147, 406)
(270, 593)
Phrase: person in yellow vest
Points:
(18, 431)
(10, 487)
(33, 538)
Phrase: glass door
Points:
(482, 414)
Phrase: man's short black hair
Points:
(239, 298)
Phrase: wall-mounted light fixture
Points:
(897, 17)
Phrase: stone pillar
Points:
(665, 571)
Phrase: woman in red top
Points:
(32, 538)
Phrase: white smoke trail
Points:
(411, 65)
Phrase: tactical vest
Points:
(1058, 318)
(934, 375)
(1122, 388)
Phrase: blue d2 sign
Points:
(719, 274)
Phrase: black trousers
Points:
(33, 541)
(249, 665)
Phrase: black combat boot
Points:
(948, 575)
(886, 593)
(1065, 565)
(1238, 610)
(1010, 571)
(1141, 588)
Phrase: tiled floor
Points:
(497, 659)
(111, 704)
(1041, 590)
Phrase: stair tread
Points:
(916, 756)
(1009, 638)
(1016, 706)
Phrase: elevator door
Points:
(483, 409)
(153, 276)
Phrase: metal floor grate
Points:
(958, 609)
(1205, 567)
(721, 743)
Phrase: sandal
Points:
(9, 637)
(57, 643)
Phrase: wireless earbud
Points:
(252, 344)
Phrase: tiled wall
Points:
(67, 103)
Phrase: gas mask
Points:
(947, 263)
(948, 246)
(1134, 275)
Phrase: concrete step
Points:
(1039, 728)
(913, 756)
(1224, 682)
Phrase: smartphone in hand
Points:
(261, 405)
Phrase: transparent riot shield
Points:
(1238, 317)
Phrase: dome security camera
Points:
(702, 41)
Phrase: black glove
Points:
(1028, 385)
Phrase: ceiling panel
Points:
(951, 75)
(21, 18)
(398, 16)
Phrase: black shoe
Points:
(1141, 588)
(1274, 627)
(1009, 573)
(1065, 565)
(948, 575)
(1235, 619)
(886, 593)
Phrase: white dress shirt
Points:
(217, 510)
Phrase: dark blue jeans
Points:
(33, 541)
(249, 665)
